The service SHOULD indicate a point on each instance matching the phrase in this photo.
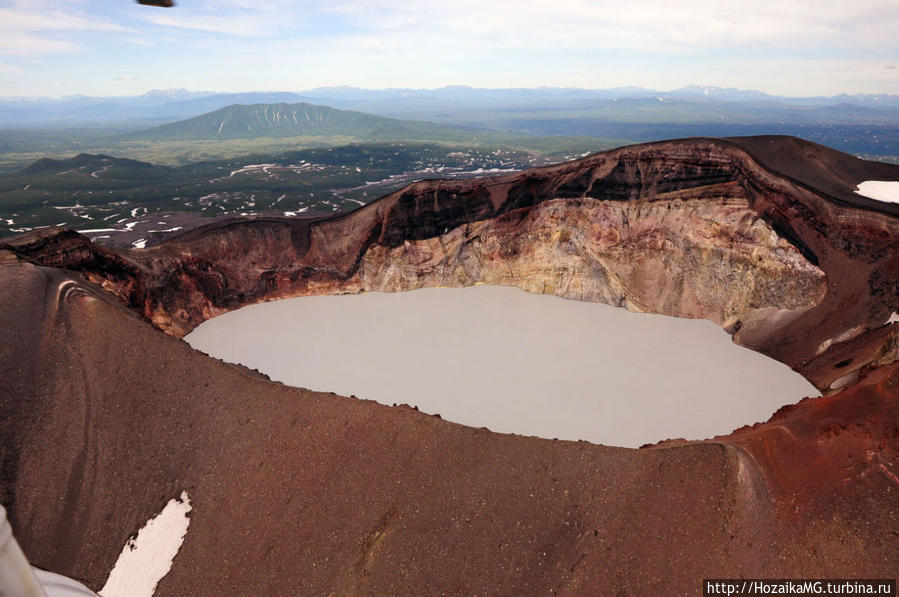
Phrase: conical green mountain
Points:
(302, 119)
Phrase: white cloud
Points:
(27, 44)
(56, 20)
(26, 30)
(635, 25)
(228, 25)
(9, 69)
(232, 17)
(240, 44)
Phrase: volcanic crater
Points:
(107, 414)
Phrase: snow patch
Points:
(846, 380)
(880, 190)
(147, 558)
(894, 318)
(139, 243)
(490, 171)
(849, 334)
(97, 173)
(249, 167)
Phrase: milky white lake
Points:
(511, 361)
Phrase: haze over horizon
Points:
(320, 94)
(117, 47)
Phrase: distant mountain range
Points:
(447, 104)
(862, 130)
(864, 125)
(466, 93)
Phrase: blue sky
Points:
(117, 47)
